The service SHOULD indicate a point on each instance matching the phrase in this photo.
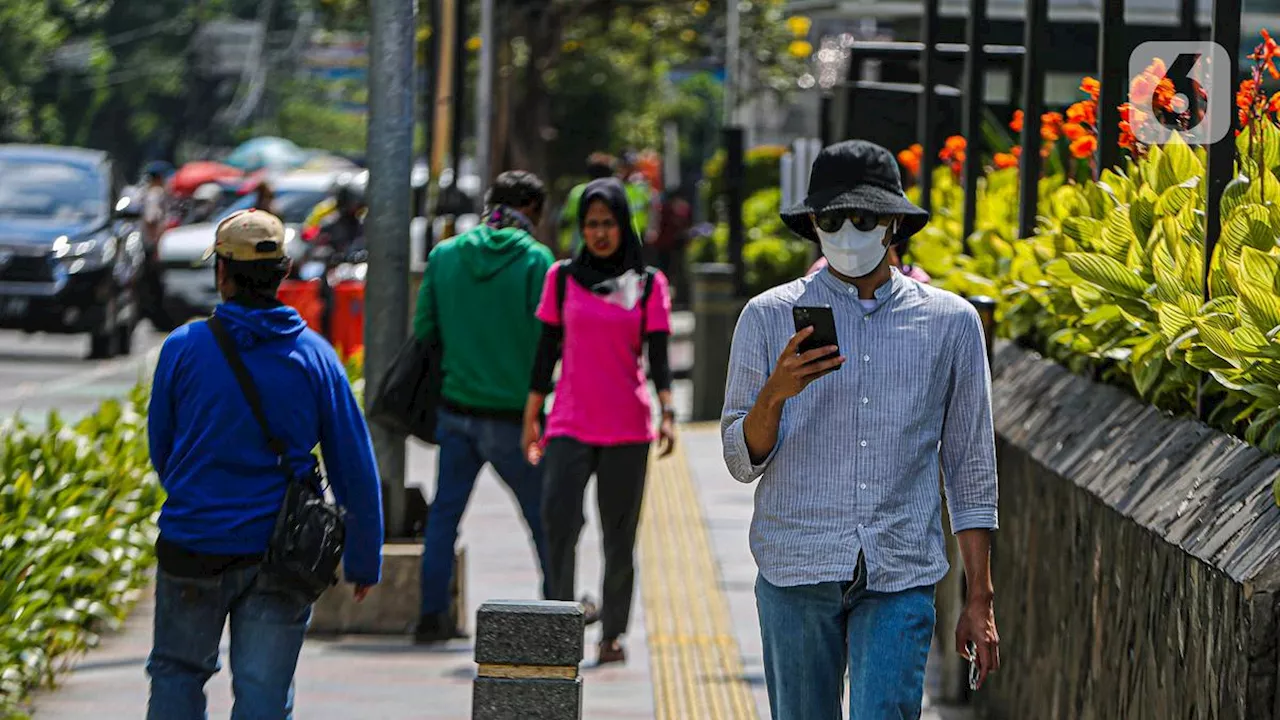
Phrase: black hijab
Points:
(594, 273)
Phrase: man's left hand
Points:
(978, 626)
(667, 436)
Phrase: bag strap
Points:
(229, 350)
(562, 285)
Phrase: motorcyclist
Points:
(343, 230)
(204, 203)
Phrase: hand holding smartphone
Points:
(823, 322)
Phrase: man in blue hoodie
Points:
(225, 487)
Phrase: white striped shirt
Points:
(859, 451)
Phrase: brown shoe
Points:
(611, 651)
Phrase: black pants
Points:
(620, 472)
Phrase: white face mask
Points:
(853, 252)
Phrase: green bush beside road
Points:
(78, 505)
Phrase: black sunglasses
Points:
(864, 220)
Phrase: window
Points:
(52, 189)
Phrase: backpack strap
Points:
(562, 285)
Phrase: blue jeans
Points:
(267, 629)
(466, 443)
(807, 631)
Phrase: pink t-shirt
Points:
(602, 397)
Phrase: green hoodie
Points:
(478, 296)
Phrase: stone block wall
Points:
(1138, 561)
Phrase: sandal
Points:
(611, 651)
(590, 611)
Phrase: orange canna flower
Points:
(1016, 151)
(1074, 131)
(1163, 96)
(1091, 87)
(1006, 160)
(910, 161)
(953, 149)
(1245, 95)
(1016, 124)
(1273, 105)
(1051, 126)
(1143, 87)
(1084, 112)
(1084, 146)
(1266, 54)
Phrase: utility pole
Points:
(390, 157)
(484, 96)
(733, 147)
(442, 125)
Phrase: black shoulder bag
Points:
(306, 545)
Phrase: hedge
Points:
(1110, 283)
(78, 507)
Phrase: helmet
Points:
(208, 192)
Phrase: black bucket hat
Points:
(855, 175)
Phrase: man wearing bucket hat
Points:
(847, 529)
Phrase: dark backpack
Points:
(562, 284)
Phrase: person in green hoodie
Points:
(477, 301)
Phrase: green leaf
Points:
(1086, 231)
(1218, 341)
(1173, 200)
(1117, 234)
(1147, 373)
(1259, 268)
(1176, 164)
(1234, 194)
(1107, 274)
(1260, 306)
(1262, 138)
(1173, 321)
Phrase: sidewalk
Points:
(694, 645)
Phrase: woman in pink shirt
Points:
(599, 310)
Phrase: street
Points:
(39, 373)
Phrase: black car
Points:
(70, 248)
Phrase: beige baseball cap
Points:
(247, 236)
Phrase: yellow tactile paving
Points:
(696, 665)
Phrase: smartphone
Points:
(823, 322)
(974, 673)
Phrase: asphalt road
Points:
(39, 373)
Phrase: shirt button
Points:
(865, 400)
(860, 525)
(863, 443)
(863, 486)
(866, 318)
(866, 358)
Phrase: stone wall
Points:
(1138, 561)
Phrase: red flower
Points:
(1051, 126)
(1016, 124)
(1084, 146)
(1091, 87)
(1074, 131)
(1084, 112)
(1006, 160)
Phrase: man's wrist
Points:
(981, 596)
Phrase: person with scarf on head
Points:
(476, 303)
(599, 311)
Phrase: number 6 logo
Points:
(1172, 89)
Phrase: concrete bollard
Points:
(527, 656)
(716, 311)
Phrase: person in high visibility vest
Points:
(599, 165)
(640, 195)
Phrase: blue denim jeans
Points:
(267, 630)
(810, 632)
(465, 444)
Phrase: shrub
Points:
(78, 505)
(763, 166)
(771, 253)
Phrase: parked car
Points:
(189, 287)
(70, 250)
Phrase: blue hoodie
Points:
(224, 487)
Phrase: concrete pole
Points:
(731, 65)
(484, 96)
(390, 157)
